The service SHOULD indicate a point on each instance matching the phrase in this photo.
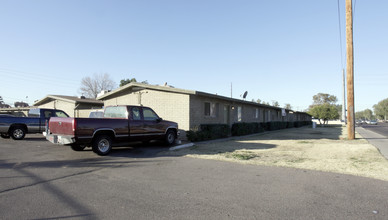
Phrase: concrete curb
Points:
(182, 146)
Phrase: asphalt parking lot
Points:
(39, 180)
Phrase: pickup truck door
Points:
(40, 117)
(152, 125)
(136, 124)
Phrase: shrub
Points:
(243, 128)
(276, 125)
(208, 132)
(290, 124)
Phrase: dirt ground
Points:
(322, 148)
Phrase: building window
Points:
(239, 113)
(210, 109)
(257, 113)
(269, 115)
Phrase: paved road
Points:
(381, 128)
(39, 180)
(376, 135)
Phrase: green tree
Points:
(322, 98)
(287, 106)
(367, 114)
(324, 112)
(275, 103)
(324, 107)
(381, 109)
(124, 82)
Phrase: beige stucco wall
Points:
(248, 112)
(168, 105)
(82, 111)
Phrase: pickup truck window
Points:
(61, 115)
(149, 115)
(47, 114)
(35, 113)
(116, 112)
(135, 114)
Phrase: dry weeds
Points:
(323, 149)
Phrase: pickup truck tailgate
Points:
(63, 126)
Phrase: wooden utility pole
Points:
(349, 69)
(344, 97)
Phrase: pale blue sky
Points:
(282, 50)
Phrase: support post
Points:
(349, 69)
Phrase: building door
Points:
(226, 114)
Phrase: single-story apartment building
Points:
(192, 108)
(72, 105)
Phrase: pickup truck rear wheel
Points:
(170, 137)
(102, 145)
(77, 147)
(17, 133)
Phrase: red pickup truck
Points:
(119, 124)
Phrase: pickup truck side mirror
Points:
(159, 120)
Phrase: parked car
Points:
(372, 122)
(120, 124)
(18, 127)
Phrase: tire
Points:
(17, 133)
(170, 137)
(102, 145)
(5, 136)
(77, 147)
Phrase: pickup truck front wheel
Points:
(102, 145)
(170, 137)
(17, 133)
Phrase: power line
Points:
(17, 73)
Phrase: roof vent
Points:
(82, 97)
(103, 92)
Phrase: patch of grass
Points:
(242, 155)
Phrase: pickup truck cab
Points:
(18, 127)
(119, 124)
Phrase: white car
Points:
(372, 122)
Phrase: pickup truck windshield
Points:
(116, 112)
